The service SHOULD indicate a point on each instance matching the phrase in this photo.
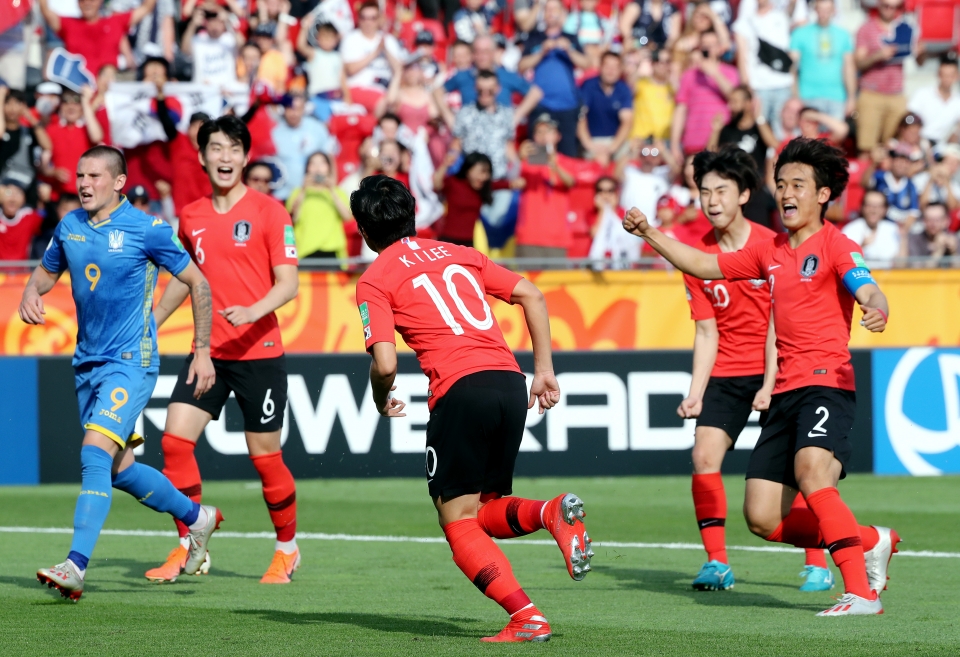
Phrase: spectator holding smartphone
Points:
(319, 209)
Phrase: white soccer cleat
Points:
(853, 605)
(878, 559)
(199, 540)
(65, 578)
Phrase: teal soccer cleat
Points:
(714, 576)
(818, 579)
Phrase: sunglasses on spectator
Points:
(486, 92)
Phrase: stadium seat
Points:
(939, 23)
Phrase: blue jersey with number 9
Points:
(113, 273)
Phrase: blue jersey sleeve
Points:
(164, 248)
(54, 259)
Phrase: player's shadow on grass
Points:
(378, 622)
(135, 570)
(677, 583)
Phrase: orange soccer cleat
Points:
(525, 625)
(173, 566)
(281, 568)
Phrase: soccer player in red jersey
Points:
(243, 242)
(734, 358)
(434, 294)
(815, 274)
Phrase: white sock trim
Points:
(519, 610)
(287, 547)
(80, 571)
(201, 522)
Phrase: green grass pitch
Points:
(378, 598)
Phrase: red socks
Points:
(484, 564)
(842, 536)
(814, 556)
(180, 467)
(509, 517)
(710, 503)
(279, 492)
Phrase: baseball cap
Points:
(424, 38)
(138, 193)
(49, 88)
(264, 30)
(543, 118)
(14, 182)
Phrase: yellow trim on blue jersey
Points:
(146, 343)
(135, 440)
(106, 432)
(123, 199)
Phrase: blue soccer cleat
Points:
(714, 576)
(818, 579)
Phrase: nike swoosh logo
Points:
(772, 267)
(811, 434)
(264, 420)
(197, 232)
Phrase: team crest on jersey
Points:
(810, 264)
(241, 231)
(115, 241)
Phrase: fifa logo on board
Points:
(115, 241)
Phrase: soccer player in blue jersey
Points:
(113, 253)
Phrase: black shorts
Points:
(260, 387)
(814, 416)
(474, 434)
(728, 402)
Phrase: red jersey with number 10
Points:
(237, 252)
(434, 295)
(741, 308)
(812, 308)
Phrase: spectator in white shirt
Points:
(214, 49)
(877, 236)
(939, 105)
(764, 38)
(369, 57)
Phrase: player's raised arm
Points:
(31, 305)
(544, 388)
(202, 366)
(685, 258)
(874, 305)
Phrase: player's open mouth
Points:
(85, 196)
(224, 173)
(789, 209)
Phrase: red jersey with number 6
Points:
(434, 295)
(237, 252)
(812, 308)
(741, 308)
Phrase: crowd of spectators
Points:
(524, 127)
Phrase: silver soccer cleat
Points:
(199, 540)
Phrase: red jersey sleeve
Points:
(498, 281)
(376, 315)
(281, 243)
(745, 264)
(700, 306)
(845, 255)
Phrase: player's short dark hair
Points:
(384, 209)
(486, 74)
(116, 163)
(730, 163)
(828, 162)
(235, 130)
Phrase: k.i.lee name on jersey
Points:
(419, 255)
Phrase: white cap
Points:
(49, 88)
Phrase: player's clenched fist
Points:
(635, 222)
(690, 407)
(873, 319)
(31, 307)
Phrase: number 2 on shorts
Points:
(819, 431)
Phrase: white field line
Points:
(359, 538)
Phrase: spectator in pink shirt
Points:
(704, 89)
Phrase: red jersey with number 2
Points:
(434, 295)
(812, 309)
(741, 308)
(237, 252)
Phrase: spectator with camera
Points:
(319, 209)
(296, 137)
(212, 44)
(543, 225)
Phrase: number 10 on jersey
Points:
(423, 280)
